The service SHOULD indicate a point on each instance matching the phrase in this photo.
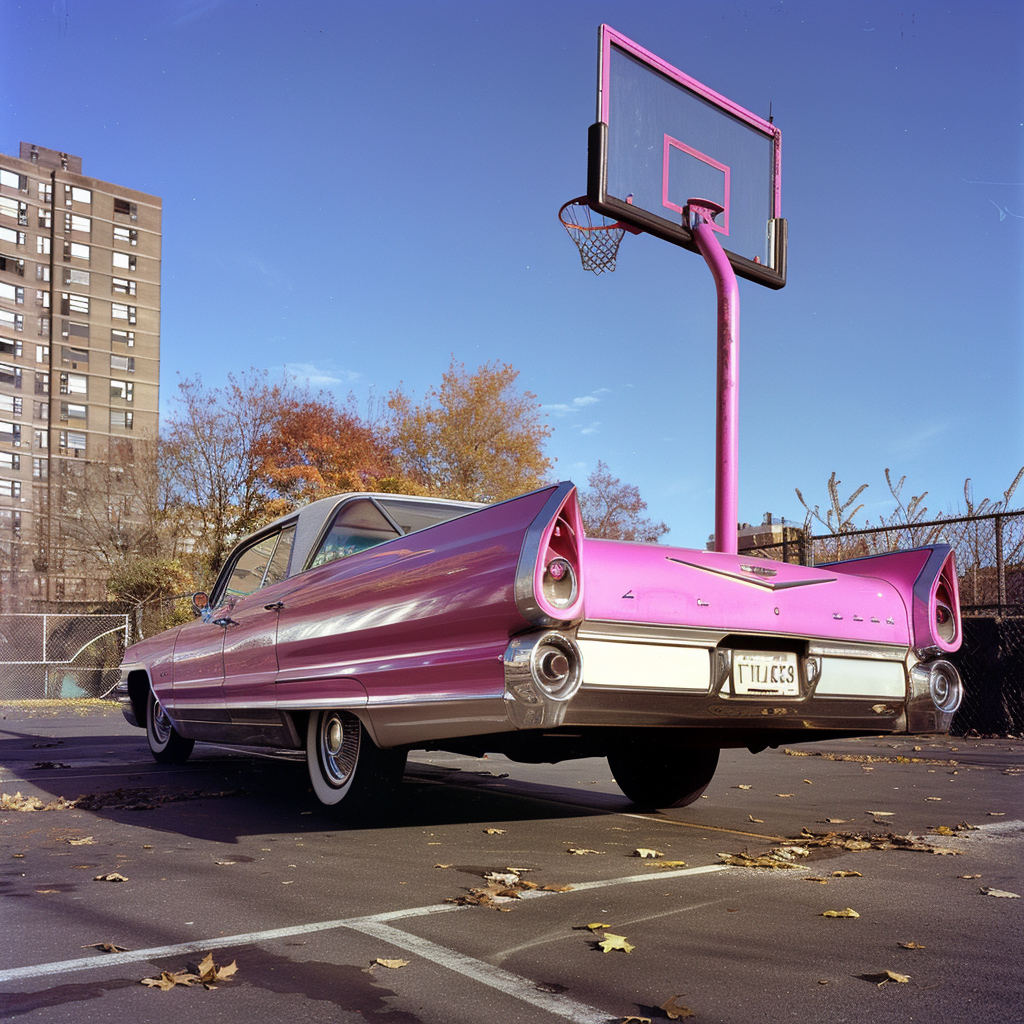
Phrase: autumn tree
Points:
(476, 437)
(614, 510)
(148, 586)
(316, 448)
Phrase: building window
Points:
(126, 364)
(122, 208)
(12, 293)
(71, 329)
(42, 354)
(73, 411)
(42, 384)
(78, 195)
(11, 404)
(40, 468)
(9, 347)
(72, 440)
(76, 277)
(74, 357)
(78, 251)
(123, 337)
(42, 299)
(120, 418)
(123, 261)
(12, 321)
(121, 389)
(41, 411)
(42, 271)
(76, 222)
(44, 217)
(45, 191)
(74, 384)
(42, 243)
(10, 375)
(12, 265)
(129, 236)
(16, 237)
(72, 303)
(44, 327)
(8, 460)
(122, 286)
(10, 488)
(10, 433)
(12, 180)
(14, 209)
(119, 311)
(41, 438)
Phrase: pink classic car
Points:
(364, 626)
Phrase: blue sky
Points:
(360, 191)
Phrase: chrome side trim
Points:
(646, 632)
(754, 580)
(866, 651)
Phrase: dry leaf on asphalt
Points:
(580, 852)
(675, 1010)
(611, 942)
(847, 874)
(646, 853)
(113, 876)
(886, 976)
(988, 891)
(668, 864)
(848, 912)
(105, 947)
(167, 980)
(741, 786)
(757, 821)
(393, 964)
(911, 945)
(87, 841)
(597, 926)
(494, 831)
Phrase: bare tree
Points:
(614, 510)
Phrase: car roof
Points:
(311, 520)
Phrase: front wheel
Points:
(166, 744)
(345, 765)
(658, 773)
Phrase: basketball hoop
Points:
(598, 243)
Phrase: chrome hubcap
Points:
(338, 746)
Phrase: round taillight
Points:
(560, 586)
(945, 622)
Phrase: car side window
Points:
(418, 515)
(277, 570)
(357, 526)
(250, 565)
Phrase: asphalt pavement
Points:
(874, 879)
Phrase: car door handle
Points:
(275, 607)
(225, 622)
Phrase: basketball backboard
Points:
(662, 138)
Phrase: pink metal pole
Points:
(727, 438)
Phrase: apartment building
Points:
(79, 374)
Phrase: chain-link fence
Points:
(991, 663)
(44, 655)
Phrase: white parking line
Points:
(376, 925)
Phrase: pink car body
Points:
(502, 628)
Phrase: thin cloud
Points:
(577, 404)
(321, 376)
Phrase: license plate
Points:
(765, 674)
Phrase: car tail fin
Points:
(549, 584)
(937, 602)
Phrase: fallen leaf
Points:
(113, 876)
(494, 831)
(848, 912)
(579, 852)
(988, 891)
(997, 814)
(808, 781)
(675, 1010)
(168, 980)
(881, 814)
(886, 976)
(597, 926)
(847, 874)
(232, 863)
(393, 964)
(783, 796)
(812, 878)
(743, 787)
(105, 947)
(757, 821)
(911, 945)
(968, 876)
(610, 942)
(668, 864)
(634, 1020)
(87, 841)
(642, 852)
(935, 798)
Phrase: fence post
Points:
(1000, 567)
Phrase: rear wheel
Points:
(166, 744)
(657, 772)
(345, 765)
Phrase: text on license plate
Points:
(765, 673)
